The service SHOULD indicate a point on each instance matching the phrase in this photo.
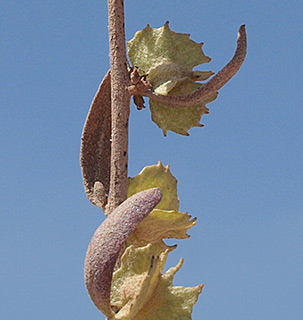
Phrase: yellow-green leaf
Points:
(139, 289)
(152, 47)
(169, 302)
(141, 292)
(134, 282)
(179, 119)
(168, 58)
(162, 224)
(156, 176)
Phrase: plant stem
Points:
(120, 100)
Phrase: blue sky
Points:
(241, 174)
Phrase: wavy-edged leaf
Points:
(139, 289)
(162, 224)
(134, 282)
(156, 176)
(177, 119)
(168, 59)
(170, 302)
(152, 47)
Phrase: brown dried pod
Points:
(96, 146)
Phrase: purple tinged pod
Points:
(108, 241)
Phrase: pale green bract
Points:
(139, 289)
(168, 59)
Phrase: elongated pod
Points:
(96, 146)
(109, 240)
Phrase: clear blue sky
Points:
(241, 175)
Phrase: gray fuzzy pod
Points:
(109, 240)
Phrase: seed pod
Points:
(109, 240)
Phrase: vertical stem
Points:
(120, 100)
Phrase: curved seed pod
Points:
(96, 146)
(212, 86)
(109, 240)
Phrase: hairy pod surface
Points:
(108, 241)
(96, 146)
